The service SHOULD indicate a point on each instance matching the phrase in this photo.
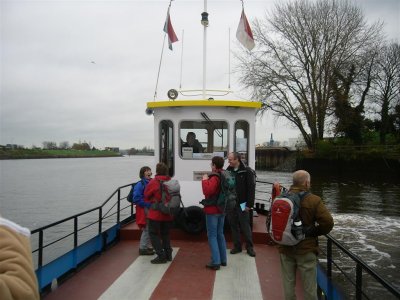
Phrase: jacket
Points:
(316, 220)
(138, 199)
(211, 188)
(17, 276)
(152, 194)
(245, 186)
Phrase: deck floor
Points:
(120, 273)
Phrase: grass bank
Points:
(38, 153)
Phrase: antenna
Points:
(204, 22)
(229, 59)
(180, 80)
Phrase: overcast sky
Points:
(84, 70)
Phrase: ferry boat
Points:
(102, 261)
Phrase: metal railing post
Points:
(118, 205)
(329, 258)
(75, 232)
(40, 254)
(358, 281)
(100, 219)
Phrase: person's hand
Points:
(205, 177)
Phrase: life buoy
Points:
(192, 220)
(276, 190)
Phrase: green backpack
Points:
(226, 199)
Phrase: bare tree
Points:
(64, 145)
(299, 46)
(49, 145)
(386, 87)
(349, 94)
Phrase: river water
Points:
(37, 192)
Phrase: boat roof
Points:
(205, 103)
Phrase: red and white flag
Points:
(168, 29)
(243, 32)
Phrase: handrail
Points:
(360, 265)
(80, 214)
(74, 232)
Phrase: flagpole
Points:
(229, 58)
(204, 22)
(180, 80)
(159, 69)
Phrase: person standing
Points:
(142, 210)
(17, 275)
(214, 216)
(239, 217)
(158, 222)
(316, 221)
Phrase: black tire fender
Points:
(192, 220)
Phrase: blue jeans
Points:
(216, 238)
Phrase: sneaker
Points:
(168, 254)
(236, 250)
(250, 252)
(146, 252)
(223, 264)
(159, 260)
(212, 267)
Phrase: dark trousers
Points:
(240, 223)
(159, 236)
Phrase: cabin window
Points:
(203, 139)
(242, 139)
(167, 145)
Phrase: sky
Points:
(84, 70)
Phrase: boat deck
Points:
(120, 273)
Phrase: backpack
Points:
(129, 198)
(284, 213)
(170, 198)
(226, 199)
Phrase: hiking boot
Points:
(223, 264)
(212, 267)
(146, 252)
(168, 254)
(159, 260)
(236, 250)
(250, 252)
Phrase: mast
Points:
(204, 22)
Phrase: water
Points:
(37, 192)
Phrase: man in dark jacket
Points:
(316, 221)
(239, 218)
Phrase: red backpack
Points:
(285, 226)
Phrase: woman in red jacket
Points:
(214, 216)
(159, 223)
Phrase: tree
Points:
(132, 151)
(349, 94)
(386, 87)
(64, 145)
(49, 145)
(81, 146)
(299, 47)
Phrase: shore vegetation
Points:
(53, 153)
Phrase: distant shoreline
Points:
(48, 154)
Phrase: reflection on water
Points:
(37, 192)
